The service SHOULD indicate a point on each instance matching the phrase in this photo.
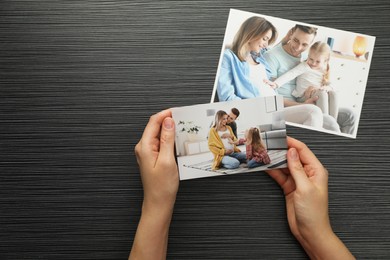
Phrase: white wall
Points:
(343, 40)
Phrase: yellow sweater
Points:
(217, 148)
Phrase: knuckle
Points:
(165, 138)
(298, 167)
(153, 118)
(138, 149)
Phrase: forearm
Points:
(151, 239)
(326, 246)
(289, 102)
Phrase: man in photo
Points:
(231, 121)
(287, 55)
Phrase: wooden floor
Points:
(199, 165)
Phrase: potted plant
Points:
(190, 128)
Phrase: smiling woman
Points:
(235, 81)
(222, 144)
(242, 73)
(254, 34)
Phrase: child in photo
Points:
(312, 76)
(256, 152)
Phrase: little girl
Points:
(256, 153)
(314, 72)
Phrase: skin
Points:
(160, 180)
(256, 46)
(222, 127)
(305, 185)
(222, 123)
(298, 42)
(317, 61)
(231, 118)
(261, 43)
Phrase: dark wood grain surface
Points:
(78, 81)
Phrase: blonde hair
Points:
(218, 118)
(252, 29)
(254, 138)
(323, 48)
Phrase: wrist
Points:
(325, 244)
(161, 208)
(157, 215)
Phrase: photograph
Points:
(320, 72)
(231, 137)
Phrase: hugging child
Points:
(256, 152)
(313, 73)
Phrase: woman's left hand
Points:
(160, 179)
(271, 83)
(156, 159)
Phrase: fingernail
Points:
(293, 154)
(168, 123)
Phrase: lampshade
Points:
(359, 46)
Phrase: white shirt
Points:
(225, 141)
(257, 75)
(306, 77)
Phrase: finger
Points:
(167, 141)
(314, 99)
(283, 178)
(305, 154)
(152, 129)
(296, 168)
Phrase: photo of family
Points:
(230, 137)
(320, 72)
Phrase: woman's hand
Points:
(156, 160)
(305, 185)
(160, 180)
(229, 151)
(271, 83)
(226, 135)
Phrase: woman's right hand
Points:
(229, 151)
(305, 185)
(225, 135)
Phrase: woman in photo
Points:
(256, 152)
(222, 143)
(243, 71)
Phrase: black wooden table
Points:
(78, 82)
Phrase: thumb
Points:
(296, 169)
(167, 141)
